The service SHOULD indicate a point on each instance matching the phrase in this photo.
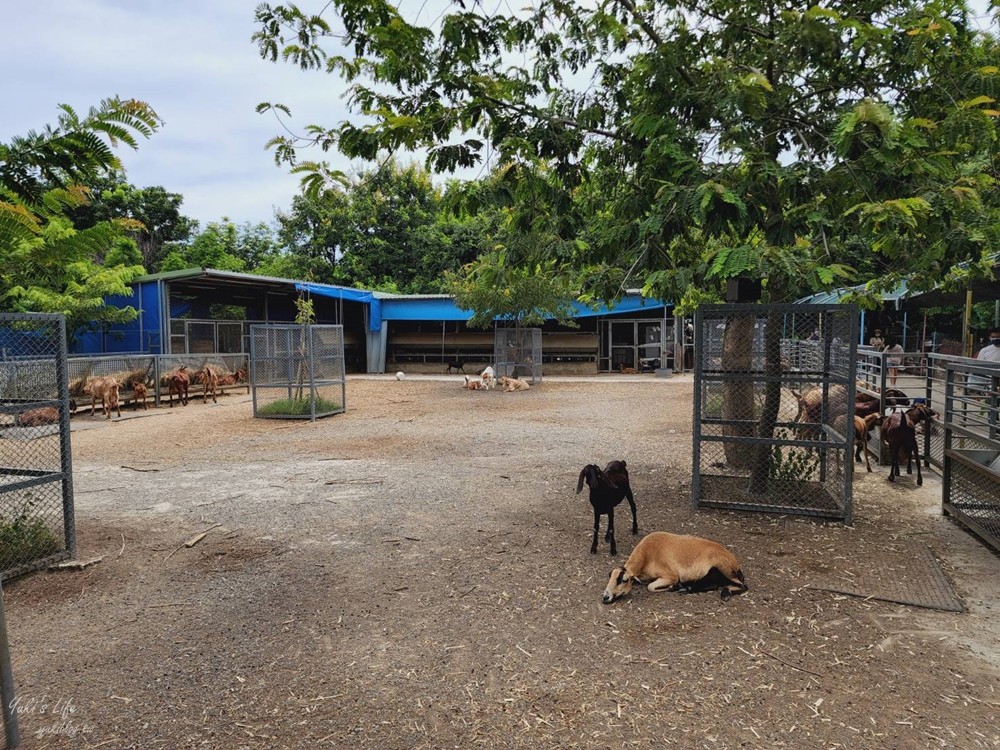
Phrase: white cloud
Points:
(195, 64)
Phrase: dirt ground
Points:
(416, 573)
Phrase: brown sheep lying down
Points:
(675, 562)
(509, 385)
(37, 417)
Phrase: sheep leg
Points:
(631, 505)
(664, 583)
(611, 531)
(863, 447)
(597, 531)
(916, 460)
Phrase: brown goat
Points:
(810, 403)
(179, 383)
(862, 426)
(900, 434)
(139, 393)
(233, 378)
(209, 378)
(44, 415)
(105, 389)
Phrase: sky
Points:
(194, 63)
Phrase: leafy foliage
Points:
(46, 263)
(688, 141)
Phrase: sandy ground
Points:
(416, 573)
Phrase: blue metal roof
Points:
(443, 307)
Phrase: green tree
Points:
(386, 228)
(47, 264)
(156, 211)
(225, 246)
(752, 123)
(727, 137)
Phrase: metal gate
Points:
(36, 476)
(774, 408)
(297, 371)
(971, 484)
(517, 353)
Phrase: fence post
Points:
(13, 738)
(949, 393)
(929, 399)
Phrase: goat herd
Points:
(898, 429)
(108, 390)
(487, 380)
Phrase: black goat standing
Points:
(456, 365)
(607, 489)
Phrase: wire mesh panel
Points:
(774, 408)
(971, 420)
(232, 370)
(884, 386)
(517, 353)
(127, 370)
(36, 486)
(297, 371)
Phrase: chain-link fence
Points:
(890, 381)
(127, 370)
(517, 353)
(36, 477)
(232, 370)
(971, 419)
(297, 371)
(773, 400)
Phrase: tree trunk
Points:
(772, 402)
(737, 398)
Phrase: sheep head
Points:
(619, 585)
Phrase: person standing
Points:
(877, 342)
(989, 353)
(893, 359)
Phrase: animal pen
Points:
(297, 371)
(971, 484)
(774, 408)
(36, 476)
(517, 353)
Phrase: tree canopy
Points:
(695, 140)
(46, 263)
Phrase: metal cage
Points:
(36, 475)
(971, 483)
(517, 353)
(774, 407)
(297, 371)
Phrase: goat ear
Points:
(579, 484)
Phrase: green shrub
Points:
(296, 407)
(789, 462)
(24, 540)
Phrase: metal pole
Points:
(7, 684)
(966, 325)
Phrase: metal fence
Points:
(773, 399)
(36, 477)
(971, 420)
(517, 353)
(297, 371)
